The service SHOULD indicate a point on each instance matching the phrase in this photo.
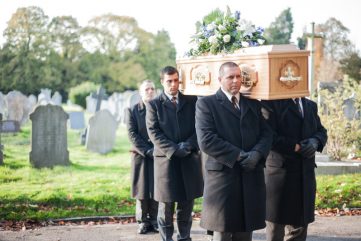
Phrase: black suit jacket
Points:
(290, 178)
(234, 200)
(176, 179)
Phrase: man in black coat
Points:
(142, 162)
(177, 166)
(290, 175)
(236, 139)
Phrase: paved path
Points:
(323, 229)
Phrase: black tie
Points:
(297, 100)
(174, 101)
(234, 102)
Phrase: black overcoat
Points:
(175, 179)
(233, 200)
(142, 172)
(290, 179)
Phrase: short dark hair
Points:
(168, 70)
(226, 64)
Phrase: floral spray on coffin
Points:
(268, 71)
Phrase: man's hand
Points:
(185, 145)
(250, 162)
(184, 149)
(308, 147)
(242, 156)
(149, 153)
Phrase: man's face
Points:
(147, 92)
(170, 83)
(231, 79)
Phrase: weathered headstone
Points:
(115, 105)
(56, 99)
(101, 131)
(49, 137)
(7, 126)
(77, 120)
(16, 103)
(44, 97)
(3, 104)
(1, 146)
(350, 110)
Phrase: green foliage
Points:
(344, 135)
(78, 93)
(336, 42)
(59, 54)
(224, 32)
(338, 191)
(351, 66)
(280, 31)
(92, 185)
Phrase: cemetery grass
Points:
(93, 185)
(99, 185)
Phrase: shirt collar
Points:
(171, 96)
(229, 95)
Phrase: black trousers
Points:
(183, 216)
(146, 211)
(277, 232)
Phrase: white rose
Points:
(221, 28)
(211, 26)
(260, 41)
(212, 39)
(226, 38)
(245, 44)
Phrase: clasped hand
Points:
(308, 147)
(184, 149)
(249, 160)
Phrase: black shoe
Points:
(143, 228)
(155, 228)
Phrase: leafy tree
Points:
(25, 49)
(280, 31)
(336, 42)
(155, 52)
(65, 37)
(351, 66)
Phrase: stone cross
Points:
(1, 146)
(100, 95)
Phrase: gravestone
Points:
(94, 100)
(101, 131)
(3, 105)
(16, 105)
(49, 137)
(115, 105)
(56, 99)
(7, 126)
(44, 97)
(77, 120)
(350, 110)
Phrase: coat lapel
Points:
(222, 98)
(165, 101)
(181, 101)
(294, 109)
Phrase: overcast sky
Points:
(179, 17)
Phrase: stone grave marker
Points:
(56, 99)
(16, 105)
(49, 137)
(77, 120)
(101, 131)
(7, 126)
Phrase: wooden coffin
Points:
(268, 72)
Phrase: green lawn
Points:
(97, 184)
